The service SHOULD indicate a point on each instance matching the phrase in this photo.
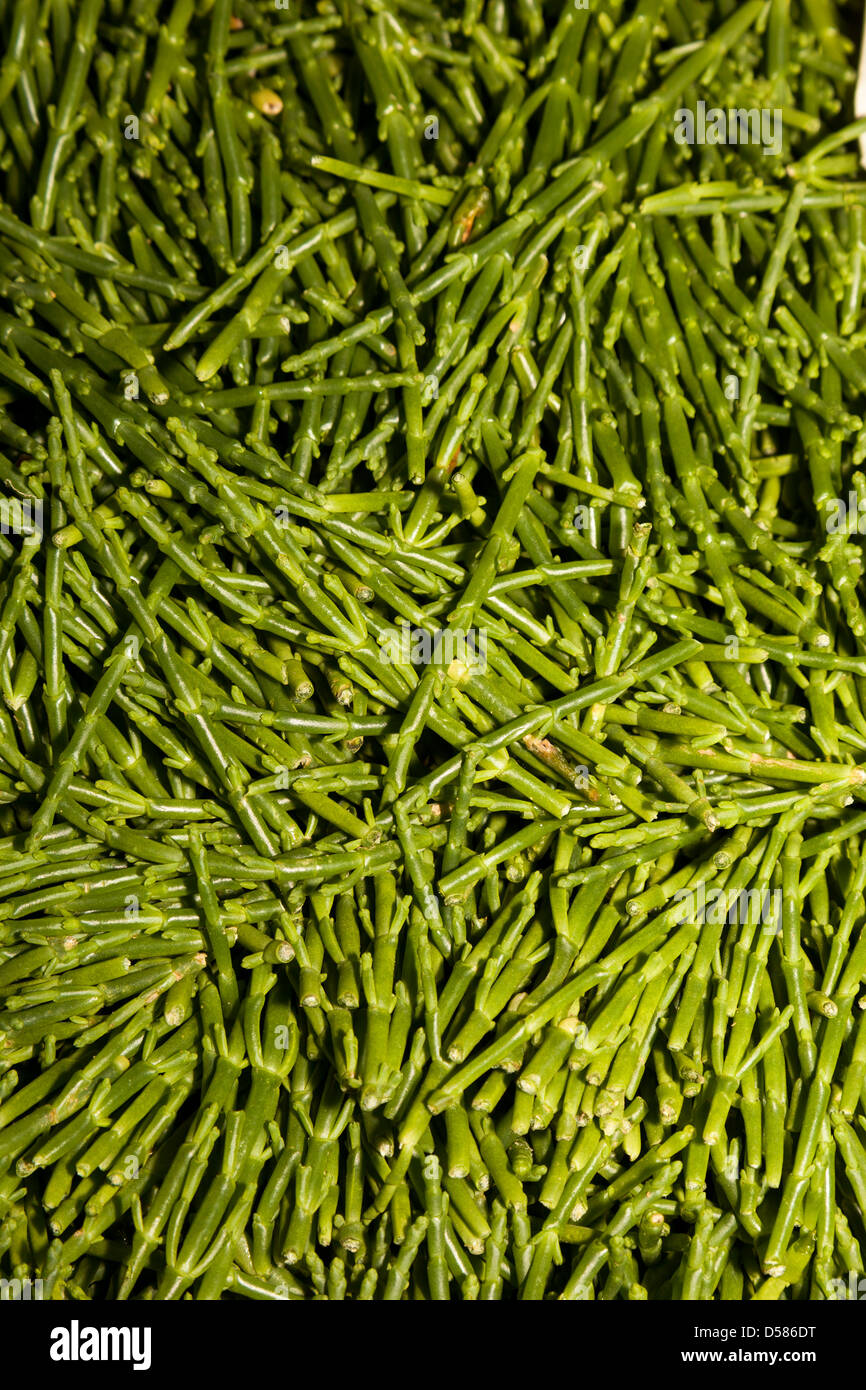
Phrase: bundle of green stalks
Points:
(432, 650)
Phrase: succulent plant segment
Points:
(432, 650)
